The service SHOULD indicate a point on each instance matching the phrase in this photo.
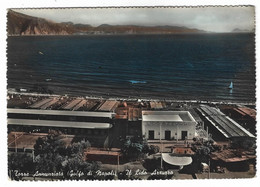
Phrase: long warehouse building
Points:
(225, 125)
(31, 119)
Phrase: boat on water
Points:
(137, 82)
(23, 90)
(231, 85)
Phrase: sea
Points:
(174, 67)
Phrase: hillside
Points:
(21, 24)
(134, 29)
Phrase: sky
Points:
(213, 19)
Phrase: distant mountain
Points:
(240, 30)
(21, 24)
(134, 29)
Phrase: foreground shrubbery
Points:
(52, 156)
(134, 148)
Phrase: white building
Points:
(168, 125)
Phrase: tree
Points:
(152, 164)
(50, 152)
(20, 162)
(203, 152)
(150, 149)
(77, 164)
(134, 148)
(77, 148)
(243, 144)
(53, 143)
(75, 160)
(52, 155)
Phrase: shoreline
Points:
(137, 99)
(134, 34)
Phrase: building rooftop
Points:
(108, 105)
(157, 105)
(52, 103)
(228, 127)
(231, 155)
(173, 116)
(176, 160)
(64, 124)
(61, 112)
(72, 104)
(247, 111)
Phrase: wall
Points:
(174, 127)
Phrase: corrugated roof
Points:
(71, 104)
(40, 103)
(61, 112)
(156, 105)
(79, 105)
(231, 156)
(108, 106)
(247, 111)
(50, 123)
(48, 104)
(228, 127)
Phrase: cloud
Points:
(217, 19)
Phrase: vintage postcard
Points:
(130, 93)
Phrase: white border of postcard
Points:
(105, 3)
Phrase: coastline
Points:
(136, 99)
(134, 34)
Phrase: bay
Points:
(181, 66)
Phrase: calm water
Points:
(150, 66)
